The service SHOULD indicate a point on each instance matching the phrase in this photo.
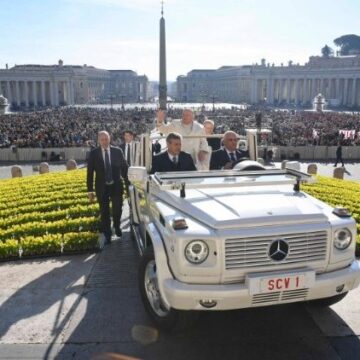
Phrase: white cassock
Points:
(191, 146)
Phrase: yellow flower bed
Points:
(46, 214)
(337, 192)
(50, 213)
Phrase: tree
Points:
(348, 43)
(327, 51)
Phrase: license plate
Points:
(260, 283)
(282, 283)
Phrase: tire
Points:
(327, 301)
(165, 319)
(132, 223)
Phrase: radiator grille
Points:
(278, 296)
(253, 252)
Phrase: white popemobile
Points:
(232, 239)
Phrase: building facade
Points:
(127, 85)
(337, 78)
(56, 85)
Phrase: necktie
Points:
(108, 171)
(232, 157)
(128, 157)
(175, 161)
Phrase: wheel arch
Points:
(154, 239)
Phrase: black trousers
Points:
(339, 159)
(112, 194)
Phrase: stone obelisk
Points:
(162, 80)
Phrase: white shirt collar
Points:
(171, 157)
(230, 152)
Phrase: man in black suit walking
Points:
(110, 168)
(229, 155)
(339, 155)
(173, 159)
(128, 147)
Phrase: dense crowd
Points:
(69, 127)
(78, 126)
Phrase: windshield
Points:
(228, 177)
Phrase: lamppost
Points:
(122, 102)
(213, 97)
(258, 121)
(111, 97)
(204, 96)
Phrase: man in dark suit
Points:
(156, 148)
(173, 159)
(339, 157)
(128, 147)
(110, 168)
(229, 155)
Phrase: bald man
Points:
(110, 168)
(229, 155)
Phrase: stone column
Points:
(337, 89)
(277, 90)
(34, 93)
(297, 90)
(254, 91)
(56, 93)
(72, 93)
(18, 100)
(280, 90)
(353, 94)
(314, 88)
(304, 91)
(322, 87)
(330, 88)
(8, 92)
(346, 85)
(26, 91)
(52, 91)
(288, 90)
(43, 97)
(270, 90)
(68, 93)
(284, 89)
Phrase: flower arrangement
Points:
(47, 214)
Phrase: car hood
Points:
(221, 208)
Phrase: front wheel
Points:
(164, 318)
(327, 301)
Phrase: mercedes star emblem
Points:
(278, 250)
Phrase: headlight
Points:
(342, 238)
(196, 251)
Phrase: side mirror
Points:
(137, 174)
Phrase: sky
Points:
(201, 34)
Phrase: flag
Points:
(348, 134)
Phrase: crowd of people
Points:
(70, 126)
(79, 126)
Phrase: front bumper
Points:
(183, 296)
